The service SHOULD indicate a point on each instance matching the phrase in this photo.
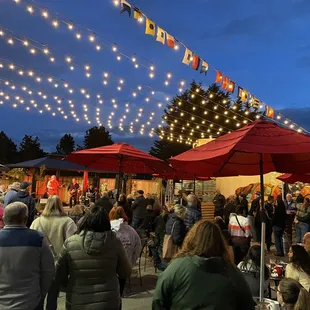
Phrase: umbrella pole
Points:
(263, 234)
(119, 177)
(194, 185)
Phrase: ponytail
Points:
(303, 301)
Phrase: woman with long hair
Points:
(299, 266)
(91, 264)
(291, 295)
(122, 202)
(203, 275)
(250, 268)
(77, 212)
(302, 217)
(57, 226)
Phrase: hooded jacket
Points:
(129, 239)
(23, 196)
(89, 266)
(193, 282)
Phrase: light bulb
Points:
(30, 9)
(114, 48)
(26, 43)
(98, 47)
(78, 36)
(91, 38)
(10, 41)
(32, 51)
(55, 23)
(52, 59)
(68, 59)
(45, 14)
(70, 26)
(46, 51)
(176, 47)
(87, 67)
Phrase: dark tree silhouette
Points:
(66, 145)
(30, 148)
(8, 149)
(97, 136)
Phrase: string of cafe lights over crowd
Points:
(45, 14)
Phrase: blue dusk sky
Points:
(262, 45)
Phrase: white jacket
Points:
(129, 238)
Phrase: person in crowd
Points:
(139, 210)
(219, 203)
(91, 264)
(240, 230)
(73, 190)
(254, 206)
(302, 218)
(52, 186)
(244, 204)
(27, 265)
(229, 208)
(202, 274)
(156, 245)
(128, 237)
(1, 216)
(150, 200)
(23, 196)
(77, 212)
(57, 227)
(176, 226)
(130, 200)
(306, 241)
(192, 215)
(13, 189)
(291, 295)
(299, 266)
(122, 202)
(149, 218)
(290, 205)
(182, 198)
(104, 202)
(278, 225)
(250, 268)
(157, 205)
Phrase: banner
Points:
(196, 62)
(149, 27)
(204, 67)
(125, 7)
(160, 37)
(170, 40)
(187, 56)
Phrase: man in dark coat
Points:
(219, 203)
(104, 202)
(24, 196)
(139, 210)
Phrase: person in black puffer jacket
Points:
(139, 210)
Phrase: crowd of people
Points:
(89, 252)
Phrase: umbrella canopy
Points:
(119, 157)
(293, 178)
(240, 152)
(179, 175)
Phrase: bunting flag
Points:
(196, 62)
(219, 77)
(231, 86)
(254, 102)
(243, 94)
(225, 83)
(187, 56)
(137, 14)
(170, 40)
(160, 37)
(149, 27)
(269, 111)
(204, 67)
(125, 7)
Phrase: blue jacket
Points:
(8, 196)
(191, 217)
(27, 268)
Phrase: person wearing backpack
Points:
(240, 230)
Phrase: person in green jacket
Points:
(202, 275)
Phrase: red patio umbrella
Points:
(120, 158)
(293, 178)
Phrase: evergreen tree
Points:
(66, 145)
(30, 148)
(97, 136)
(8, 149)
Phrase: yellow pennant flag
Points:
(149, 27)
(137, 14)
(161, 34)
(188, 56)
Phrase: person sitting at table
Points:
(250, 268)
(299, 266)
(291, 295)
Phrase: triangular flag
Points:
(125, 7)
(196, 62)
(269, 111)
(137, 14)
(254, 102)
(149, 27)
(170, 40)
(225, 83)
(243, 94)
(219, 77)
(160, 35)
(204, 67)
(187, 56)
(231, 86)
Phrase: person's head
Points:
(140, 192)
(53, 207)
(291, 293)
(53, 177)
(24, 186)
(205, 239)
(306, 237)
(230, 199)
(77, 210)
(220, 222)
(288, 197)
(96, 220)
(192, 200)
(105, 195)
(122, 198)
(270, 199)
(218, 192)
(74, 181)
(179, 211)
(15, 213)
(117, 213)
(130, 196)
(239, 210)
(15, 186)
(299, 257)
(279, 199)
(300, 198)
